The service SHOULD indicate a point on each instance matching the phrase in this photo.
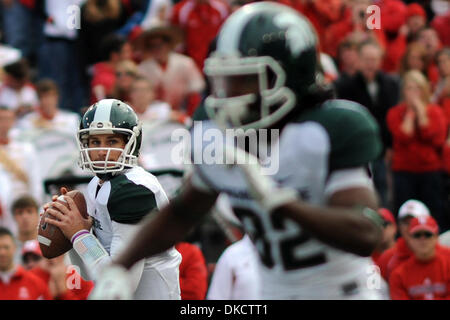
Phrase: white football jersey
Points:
(117, 207)
(294, 264)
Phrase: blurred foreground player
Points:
(314, 220)
(118, 197)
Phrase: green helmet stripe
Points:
(103, 111)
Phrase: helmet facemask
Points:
(262, 99)
(127, 156)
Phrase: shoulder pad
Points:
(129, 202)
(353, 131)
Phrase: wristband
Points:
(77, 234)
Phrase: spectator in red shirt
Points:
(393, 13)
(355, 22)
(193, 272)
(425, 275)
(400, 252)
(200, 20)
(416, 19)
(63, 281)
(321, 13)
(114, 50)
(31, 254)
(389, 232)
(441, 23)
(418, 129)
(15, 282)
(430, 40)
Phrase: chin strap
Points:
(110, 175)
(106, 176)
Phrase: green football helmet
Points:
(110, 116)
(264, 63)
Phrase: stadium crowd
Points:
(57, 57)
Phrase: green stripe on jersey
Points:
(129, 202)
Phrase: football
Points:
(52, 241)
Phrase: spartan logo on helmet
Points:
(110, 116)
(264, 63)
(298, 37)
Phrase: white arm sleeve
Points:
(122, 234)
(346, 179)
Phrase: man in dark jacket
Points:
(377, 91)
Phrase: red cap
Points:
(415, 9)
(31, 246)
(135, 33)
(393, 15)
(387, 215)
(423, 223)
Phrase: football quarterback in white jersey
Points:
(313, 220)
(118, 198)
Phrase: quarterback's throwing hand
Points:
(113, 284)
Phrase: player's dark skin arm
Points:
(340, 224)
(169, 226)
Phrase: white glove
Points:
(261, 187)
(113, 284)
